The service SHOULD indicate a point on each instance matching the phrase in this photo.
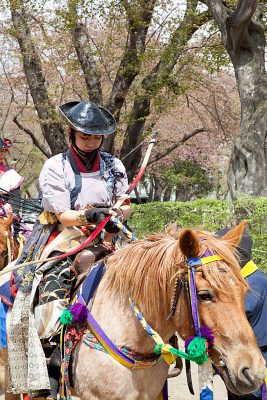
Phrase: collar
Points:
(80, 164)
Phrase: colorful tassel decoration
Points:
(79, 312)
(66, 317)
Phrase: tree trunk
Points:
(167, 194)
(151, 189)
(51, 128)
(157, 190)
(138, 24)
(244, 39)
(248, 165)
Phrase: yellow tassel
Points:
(167, 355)
(47, 218)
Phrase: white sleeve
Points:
(121, 183)
(56, 195)
(10, 180)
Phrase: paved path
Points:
(178, 389)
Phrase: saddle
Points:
(85, 266)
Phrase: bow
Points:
(102, 224)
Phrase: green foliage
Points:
(188, 177)
(211, 215)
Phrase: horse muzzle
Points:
(241, 375)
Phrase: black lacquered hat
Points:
(88, 118)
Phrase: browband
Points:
(193, 261)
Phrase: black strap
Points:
(78, 180)
(189, 376)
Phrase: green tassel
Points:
(197, 350)
(66, 317)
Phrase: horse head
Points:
(220, 291)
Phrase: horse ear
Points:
(234, 235)
(189, 244)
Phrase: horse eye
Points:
(204, 295)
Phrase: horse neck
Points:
(115, 316)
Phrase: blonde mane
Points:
(146, 269)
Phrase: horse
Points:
(148, 270)
(9, 246)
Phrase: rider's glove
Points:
(96, 215)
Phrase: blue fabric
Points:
(206, 394)
(3, 314)
(193, 261)
(78, 180)
(5, 293)
(92, 281)
(256, 306)
(33, 247)
(256, 311)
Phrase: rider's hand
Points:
(96, 215)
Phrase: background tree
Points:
(150, 64)
(240, 24)
(32, 66)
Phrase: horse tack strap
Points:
(202, 261)
(249, 269)
(110, 347)
(141, 360)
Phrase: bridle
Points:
(185, 284)
(183, 281)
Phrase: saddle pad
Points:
(92, 281)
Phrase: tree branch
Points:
(83, 49)
(139, 19)
(158, 78)
(32, 65)
(237, 25)
(174, 146)
(220, 13)
(34, 140)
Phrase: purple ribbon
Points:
(263, 391)
(103, 336)
(193, 293)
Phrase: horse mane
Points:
(146, 269)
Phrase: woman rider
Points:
(78, 187)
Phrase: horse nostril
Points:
(248, 375)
